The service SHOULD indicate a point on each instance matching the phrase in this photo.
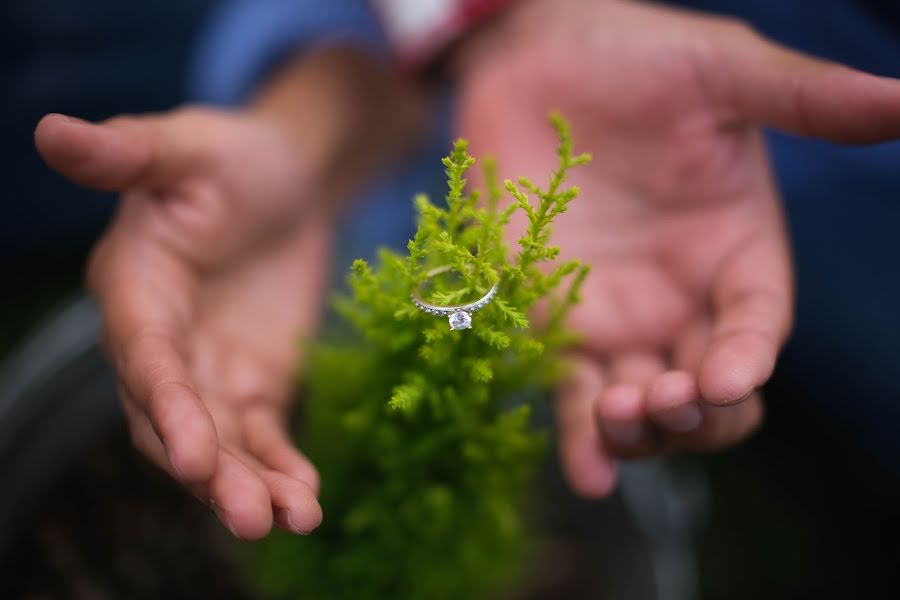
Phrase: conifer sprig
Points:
(422, 435)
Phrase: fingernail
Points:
(223, 516)
(69, 118)
(285, 520)
(682, 419)
(172, 462)
(623, 432)
(745, 397)
(177, 470)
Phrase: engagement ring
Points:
(461, 314)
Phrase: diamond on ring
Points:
(460, 316)
(460, 320)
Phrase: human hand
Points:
(689, 300)
(215, 264)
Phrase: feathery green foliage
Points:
(423, 435)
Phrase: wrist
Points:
(519, 24)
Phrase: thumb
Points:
(773, 85)
(121, 152)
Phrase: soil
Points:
(113, 526)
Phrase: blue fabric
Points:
(91, 58)
(249, 37)
(383, 215)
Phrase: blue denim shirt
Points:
(246, 38)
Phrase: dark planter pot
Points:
(82, 515)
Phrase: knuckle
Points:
(143, 360)
(736, 27)
(97, 266)
(161, 394)
(123, 121)
(144, 344)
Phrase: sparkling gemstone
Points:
(460, 320)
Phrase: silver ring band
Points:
(460, 314)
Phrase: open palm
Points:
(690, 293)
(209, 273)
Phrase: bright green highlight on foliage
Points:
(422, 435)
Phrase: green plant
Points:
(423, 435)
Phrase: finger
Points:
(588, 468)
(240, 498)
(267, 441)
(721, 426)
(294, 503)
(143, 438)
(144, 322)
(620, 408)
(154, 375)
(673, 402)
(752, 305)
(622, 420)
(777, 86)
(120, 152)
(94, 155)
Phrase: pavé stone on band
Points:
(460, 315)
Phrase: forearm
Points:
(345, 112)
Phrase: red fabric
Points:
(414, 48)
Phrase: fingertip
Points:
(294, 503)
(56, 139)
(186, 430)
(671, 388)
(620, 413)
(243, 526)
(309, 518)
(729, 374)
(672, 402)
(726, 384)
(49, 123)
(594, 482)
(194, 456)
(241, 499)
(90, 154)
(589, 471)
(622, 401)
(300, 519)
(252, 528)
(683, 418)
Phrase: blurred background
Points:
(809, 508)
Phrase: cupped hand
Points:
(213, 267)
(689, 298)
